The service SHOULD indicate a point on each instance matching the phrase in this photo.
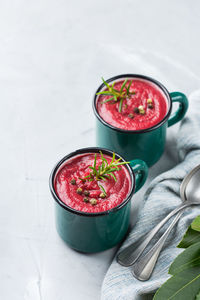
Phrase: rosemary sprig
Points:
(117, 95)
(105, 170)
(103, 190)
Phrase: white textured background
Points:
(52, 55)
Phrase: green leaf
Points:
(103, 158)
(122, 163)
(112, 170)
(113, 85)
(88, 176)
(120, 105)
(189, 258)
(123, 85)
(107, 93)
(102, 165)
(105, 83)
(101, 154)
(190, 237)
(113, 158)
(197, 296)
(107, 100)
(117, 160)
(106, 176)
(115, 179)
(129, 86)
(185, 282)
(196, 224)
(183, 286)
(116, 91)
(95, 160)
(103, 190)
(99, 170)
(115, 97)
(93, 169)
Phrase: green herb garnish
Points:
(103, 194)
(86, 200)
(86, 193)
(73, 181)
(117, 95)
(79, 191)
(150, 105)
(105, 170)
(93, 201)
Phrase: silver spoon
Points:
(190, 190)
(130, 254)
(143, 267)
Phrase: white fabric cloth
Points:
(160, 198)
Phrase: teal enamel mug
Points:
(146, 144)
(94, 232)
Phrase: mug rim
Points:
(157, 83)
(82, 151)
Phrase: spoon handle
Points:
(130, 254)
(144, 266)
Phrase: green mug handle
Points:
(140, 170)
(181, 111)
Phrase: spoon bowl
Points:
(190, 194)
(192, 190)
(132, 253)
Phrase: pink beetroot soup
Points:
(128, 118)
(67, 182)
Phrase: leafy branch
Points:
(117, 95)
(185, 270)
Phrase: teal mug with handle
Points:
(94, 232)
(146, 144)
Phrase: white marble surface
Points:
(52, 55)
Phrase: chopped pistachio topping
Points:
(73, 181)
(141, 110)
(93, 201)
(86, 200)
(102, 195)
(131, 116)
(86, 193)
(150, 105)
(136, 110)
(149, 100)
(79, 191)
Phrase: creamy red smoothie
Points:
(144, 107)
(85, 195)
